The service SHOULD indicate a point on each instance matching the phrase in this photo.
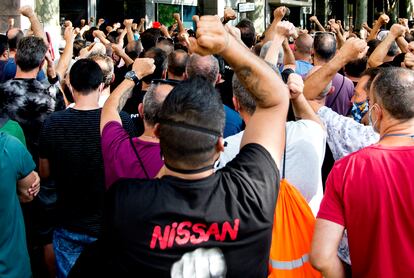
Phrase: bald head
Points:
(177, 62)
(303, 44)
(203, 66)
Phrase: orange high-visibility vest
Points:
(292, 235)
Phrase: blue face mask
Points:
(359, 109)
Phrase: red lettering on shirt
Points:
(187, 232)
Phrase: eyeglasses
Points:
(160, 39)
(170, 82)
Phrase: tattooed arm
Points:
(267, 125)
(115, 103)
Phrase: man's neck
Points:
(86, 102)
(302, 57)
(396, 133)
(26, 74)
(318, 62)
(149, 135)
(12, 53)
(175, 77)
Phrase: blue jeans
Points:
(68, 246)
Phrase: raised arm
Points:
(121, 53)
(288, 58)
(315, 20)
(282, 31)
(128, 27)
(317, 82)
(339, 37)
(383, 19)
(268, 89)
(101, 36)
(36, 27)
(115, 103)
(229, 14)
(278, 14)
(67, 54)
(301, 107)
(377, 57)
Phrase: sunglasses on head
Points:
(160, 39)
(165, 82)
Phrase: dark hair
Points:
(3, 44)
(88, 35)
(393, 51)
(30, 53)
(14, 41)
(356, 67)
(372, 73)
(133, 49)
(245, 99)
(149, 38)
(193, 102)
(177, 62)
(324, 45)
(85, 76)
(248, 32)
(113, 37)
(203, 66)
(160, 61)
(394, 89)
(372, 44)
(77, 47)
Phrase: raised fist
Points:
(177, 16)
(27, 11)
(143, 67)
(142, 20)
(295, 84)
(128, 22)
(286, 29)
(229, 14)
(384, 19)
(280, 12)
(353, 49)
(397, 30)
(313, 18)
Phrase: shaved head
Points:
(304, 44)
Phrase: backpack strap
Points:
(284, 158)
(139, 158)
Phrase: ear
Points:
(331, 90)
(236, 104)
(164, 74)
(185, 75)
(220, 144)
(157, 130)
(141, 110)
(41, 64)
(113, 78)
(101, 88)
(218, 78)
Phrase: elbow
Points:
(320, 260)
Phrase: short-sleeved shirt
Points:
(340, 100)
(13, 128)
(71, 141)
(150, 224)
(9, 71)
(120, 159)
(233, 124)
(370, 193)
(15, 164)
(303, 67)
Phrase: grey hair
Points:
(245, 99)
(152, 103)
(265, 49)
(203, 66)
(107, 70)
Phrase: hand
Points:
(76, 31)
(339, 23)
(177, 16)
(353, 49)
(164, 30)
(365, 25)
(69, 34)
(384, 19)
(335, 28)
(280, 12)
(97, 33)
(397, 30)
(143, 67)
(117, 49)
(313, 19)
(128, 22)
(68, 23)
(211, 37)
(35, 187)
(234, 31)
(142, 21)
(409, 60)
(286, 29)
(101, 21)
(295, 84)
(331, 21)
(27, 11)
(200, 263)
(229, 14)
(303, 31)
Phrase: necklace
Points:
(397, 135)
(148, 136)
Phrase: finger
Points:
(196, 18)
(177, 270)
(188, 265)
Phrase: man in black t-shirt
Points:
(150, 224)
(70, 154)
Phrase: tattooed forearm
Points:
(124, 96)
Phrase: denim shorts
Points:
(68, 246)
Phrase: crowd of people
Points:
(159, 152)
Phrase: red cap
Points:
(156, 24)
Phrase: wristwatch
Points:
(130, 75)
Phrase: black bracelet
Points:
(53, 80)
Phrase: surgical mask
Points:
(370, 119)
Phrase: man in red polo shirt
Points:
(370, 192)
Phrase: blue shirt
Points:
(303, 67)
(9, 71)
(234, 123)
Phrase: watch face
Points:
(130, 75)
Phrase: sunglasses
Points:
(321, 33)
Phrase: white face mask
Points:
(370, 119)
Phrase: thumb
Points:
(194, 47)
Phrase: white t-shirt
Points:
(305, 151)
